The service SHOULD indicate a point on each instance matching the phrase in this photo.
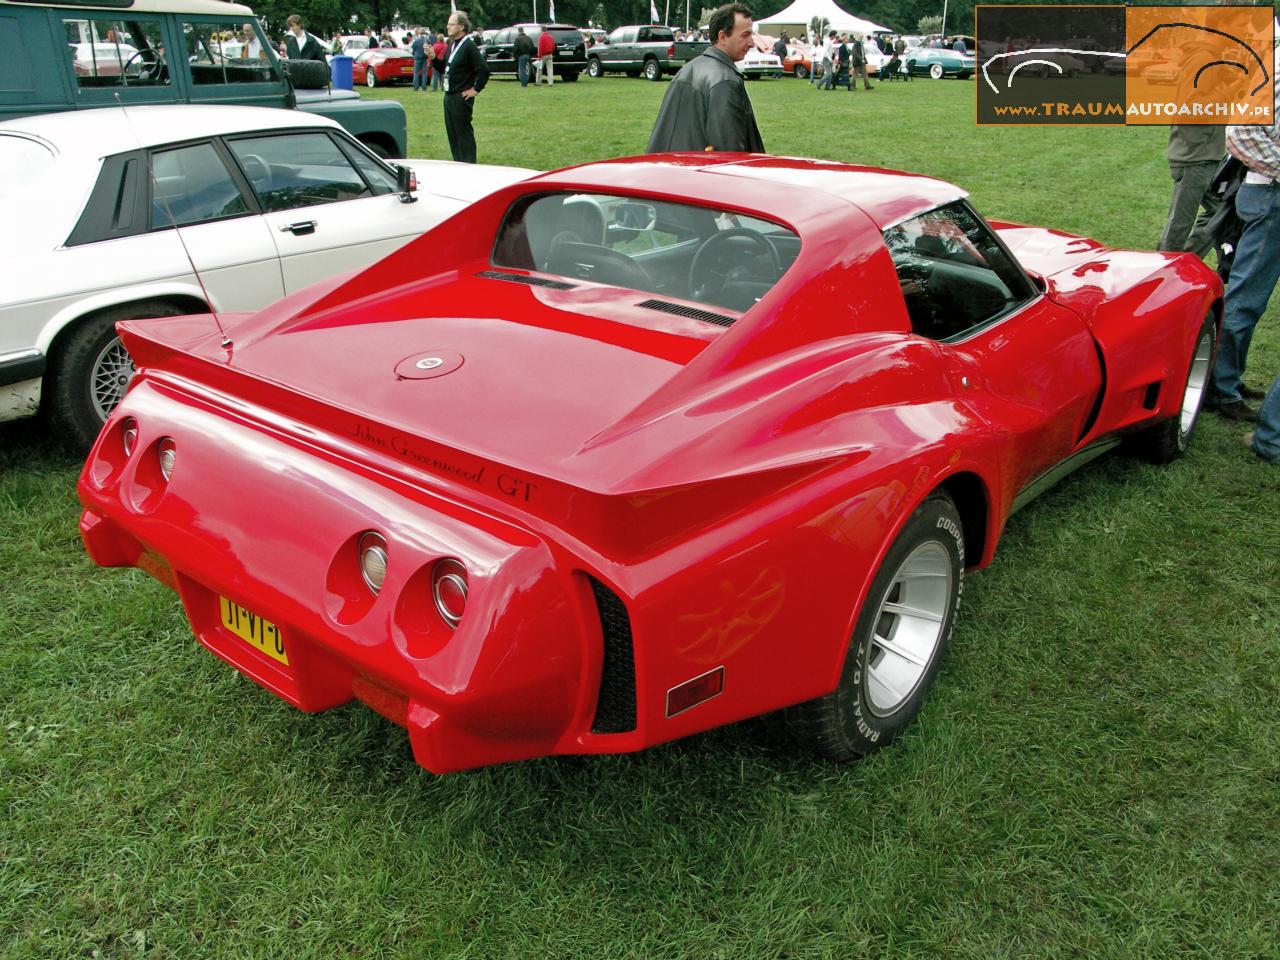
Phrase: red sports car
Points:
(382, 66)
(636, 449)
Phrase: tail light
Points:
(129, 436)
(168, 453)
(372, 549)
(449, 590)
(671, 52)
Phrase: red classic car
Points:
(382, 65)
(639, 448)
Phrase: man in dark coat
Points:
(706, 106)
(465, 75)
(524, 50)
(300, 45)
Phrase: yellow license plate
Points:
(254, 630)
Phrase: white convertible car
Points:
(108, 209)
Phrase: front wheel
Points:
(91, 371)
(801, 72)
(370, 78)
(593, 68)
(1168, 440)
(901, 632)
(935, 71)
(652, 71)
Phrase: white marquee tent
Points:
(797, 17)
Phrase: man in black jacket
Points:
(524, 51)
(706, 106)
(465, 75)
(300, 45)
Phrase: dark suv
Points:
(569, 60)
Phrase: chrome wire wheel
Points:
(909, 627)
(1197, 381)
(109, 376)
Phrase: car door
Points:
(616, 52)
(1026, 365)
(329, 206)
(194, 189)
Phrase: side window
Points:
(116, 53)
(505, 36)
(379, 178)
(291, 170)
(617, 35)
(192, 185)
(954, 274)
(218, 53)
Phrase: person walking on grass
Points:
(546, 58)
(706, 107)
(524, 50)
(1254, 273)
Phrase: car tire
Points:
(935, 71)
(1168, 440)
(892, 656)
(594, 69)
(801, 72)
(652, 70)
(377, 149)
(91, 369)
(570, 77)
(371, 78)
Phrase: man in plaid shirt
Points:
(1254, 274)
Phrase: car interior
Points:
(715, 257)
(953, 273)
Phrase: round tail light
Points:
(373, 560)
(449, 590)
(129, 436)
(168, 457)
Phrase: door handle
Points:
(299, 229)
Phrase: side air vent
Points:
(616, 708)
(528, 281)
(693, 313)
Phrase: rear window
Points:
(707, 255)
(656, 35)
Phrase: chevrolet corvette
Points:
(628, 451)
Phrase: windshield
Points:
(707, 255)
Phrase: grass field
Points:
(1097, 773)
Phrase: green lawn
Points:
(1097, 773)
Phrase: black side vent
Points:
(616, 708)
(693, 313)
(528, 281)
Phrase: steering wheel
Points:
(587, 261)
(258, 171)
(149, 65)
(722, 258)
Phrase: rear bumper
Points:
(519, 677)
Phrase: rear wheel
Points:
(91, 370)
(652, 71)
(593, 67)
(1168, 440)
(898, 641)
(570, 76)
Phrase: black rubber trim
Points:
(616, 707)
(527, 280)
(24, 368)
(693, 313)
